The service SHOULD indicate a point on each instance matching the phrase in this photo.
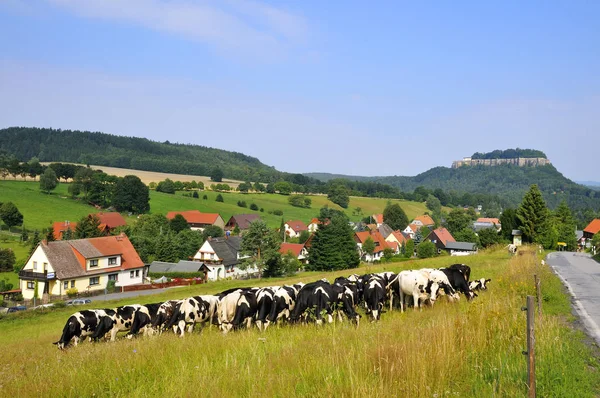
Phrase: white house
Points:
(83, 264)
(293, 228)
(222, 257)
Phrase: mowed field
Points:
(464, 349)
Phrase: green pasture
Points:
(464, 349)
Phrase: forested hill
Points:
(509, 182)
(130, 152)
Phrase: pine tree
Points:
(333, 246)
(395, 217)
(566, 225)
(88, 227)
(532, 214)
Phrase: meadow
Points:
(453, 349)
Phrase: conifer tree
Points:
(532, 214)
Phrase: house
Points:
(222, 258)
(440, 237)
(378, 219)
(398, 237)
(83, 264)
(517, 237)
(157, 267)
(111, 220)
(385, 230)
(297, 249)
(461, 248)
(314, 225)
(485, 222)
(380, 244)
(410, 230)
(424, 220)
(59, 228)
(241, 221)
(197, 220)
(592, 229)
(293, 228)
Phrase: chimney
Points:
(209, 238)
(44, 242)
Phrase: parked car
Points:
(16, 308)
(79, 301)
(40, 307)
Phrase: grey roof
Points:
(478, 226)
(62, 259)
(517, 232)
(181, 266)
(467, 246)
(86, 249)
(579, 234)
(385, 230)
(243, 220)
(227, 248)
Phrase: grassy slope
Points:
(463, 349)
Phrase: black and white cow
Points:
(458, 281)
(264, 303)
(115, 321)
(164, 314)
(284, 301)
(317, 297)
(464, 269)
(479, 284)
(246, 309)
(345, 299)
(197, 309)
(374, 295)
(143, 318)
(416, 285)
(80, 325)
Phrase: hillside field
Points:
(40, 210)
(453, 349)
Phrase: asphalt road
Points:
(118, 296)
(581, 275)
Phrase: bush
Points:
(242, 203)
(72, 292)
(253, 206)
(205, 197)
(219, 198)
(59, 304)
(195, 195)
(111, 286)
(262, 210)
(18, 297)
(278, 212)
(426, 250)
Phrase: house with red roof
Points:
(380, 244)
(108, 222)
(411, 230)
(592, 229)
(60, 227)
(294, 228)
(440, 237)
(83, 264)
(297, 249)
(378, 218)
(424, 220)
(197, 220)
(241, 221)
(111, 219)
(314, 225)
(398, 237)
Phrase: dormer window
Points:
(93, 263)
(112, 261)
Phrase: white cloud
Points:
(240, 27)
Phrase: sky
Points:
(350, 87)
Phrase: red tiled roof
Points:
(414, 227)
(295, 248)
(314, 221)
(399, 236)
(443, 235)
(380, 243)
(378, 218)
(60, 227)
(425, 219)
(297, 225)
(393, 246)
(195, 216)
(593, 227)
(111, 219)
(489, 220)
(119, 244)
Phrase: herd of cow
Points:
(312, 302)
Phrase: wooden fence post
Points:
(538, 290)
(530, 346)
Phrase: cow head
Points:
(484, 283)
(447, 289)
(59, 344)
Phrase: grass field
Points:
(40, 209)
(461, 349)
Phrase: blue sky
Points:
(385, 88)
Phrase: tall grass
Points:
(461, 349)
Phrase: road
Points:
(118, 296)
(581, 274)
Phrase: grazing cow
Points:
(143, 318)
(446, 288)
(458, 282)
(317, 296)
(79, 325)
(387, 277)
(265, 300)
(191, 311)
(416, 285)
(480, 284)
(115, 321)
(164, 314)
(374, 294)
(246, 308)
(345, 298)
(463, 269)
(512, 248)
(226, 309)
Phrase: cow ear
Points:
(56, 342)
(488, 280)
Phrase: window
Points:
(66, 284)
(113, 277)
(212, 256)
(137, 273)
(95, 280)
(35, 265)
(72, 283)
(112, 261)
(45, 266)
(131, 273)
(30, 285)
(93, 263)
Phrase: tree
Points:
(281, 265)
(50, 234)
(216, 175)
(339, 194)
(304, 235)
(195, 195)
(457, 220)
(88, 227)
(188, 242)
(219, 198)
(212, 231)
(333, 246)
(566, 226)
(82, 182)
(283, 187)
(260, 244)
(10, 215)
(166, 186)
(395, 217)
(368, 247)
(466, 235)
(34, 167)
(508, 221)
(131, 194)
(7, 260)
(409, 248)
(178, 223)
(48, 180)
(426, 250)
(34, 241)
(532, 214)
(433, 204)
(489, 237)
(166, 248)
